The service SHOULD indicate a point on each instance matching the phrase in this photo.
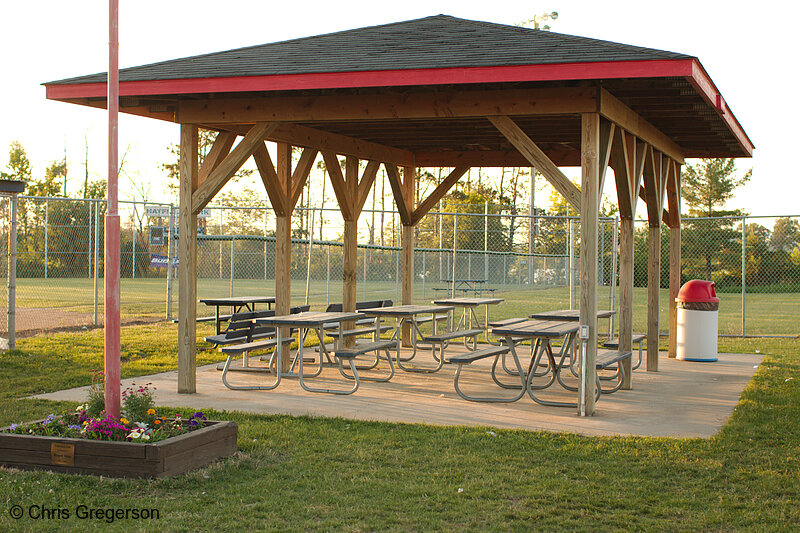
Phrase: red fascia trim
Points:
(384, 78)
(703, 84)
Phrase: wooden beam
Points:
(389, 105)
(266, 169)
(590, 181)
(283, 247)
(228, 167)
(620, 161)
(187, 257)
(606, 140)
(219, 150)
(653, 294)
(407, 249)
(300, 175)
(560, 156)
(625, 117)
(626, 247)
(674, 200)
(655, 185)
(437, 194)
(399, 193)
(364, 186)
(338, 184)
(538, 159)
(350, 245)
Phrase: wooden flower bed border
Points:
(169, 457)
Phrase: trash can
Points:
(698, 309)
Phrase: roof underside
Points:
(440, 55)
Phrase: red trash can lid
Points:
(697, 290)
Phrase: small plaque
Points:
(62, 454)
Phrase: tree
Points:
(56, 171)
(706, 188)
(18, 164)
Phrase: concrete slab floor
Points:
(682, 399)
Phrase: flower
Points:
(13, 427)
(124, 420)
(151, 411)
(156, 421)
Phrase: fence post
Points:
(364, 281)
(220, 244)
(485, 241)
(308, 266)
(424, 275)
(170, 252)
(265, 243)
(233, 257)
(91, 241)
(328, 278)
(570, 276)
(133, 249)
(96, 257)
(46, 236)
(12, 275)
(744, 264)
(613, 277)
(455, 245)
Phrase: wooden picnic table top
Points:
(405, 310)
(309, 318)
(466, 301)
(537, 328)
(237, 300)
(568, 314)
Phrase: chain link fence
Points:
(474, 249)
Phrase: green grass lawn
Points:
(765, 314)
(301, 473)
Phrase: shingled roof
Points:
(439, 41)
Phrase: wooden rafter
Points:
(673, 219)
(437, 194)
(300, 174)
(399, 193)
(351, 193)
(364, 186)
(655, 183)
(338, 183)
(538, 159)
(219, 150)
(218, 177)
(606, 141)
(275, 190)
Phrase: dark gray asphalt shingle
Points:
(433, 42)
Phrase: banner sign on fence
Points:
(160, 261)
(163, 211)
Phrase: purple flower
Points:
(13, 427)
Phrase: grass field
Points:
(300, 474)
(765, 314)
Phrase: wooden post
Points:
(187, 258)
(653, 290)
(407, 243)
(673, 199)
(590, 195)
(283, 246)
(626, 296)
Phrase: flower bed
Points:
(140, 443)
(171, 456)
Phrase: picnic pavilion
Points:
(437, 92)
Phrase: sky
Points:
(742, 45)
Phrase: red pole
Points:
(112, 248)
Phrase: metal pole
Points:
(233, 246)
(133, 252)
(455, 245)
(220, 243)
(46, 236)
(170, 251)
(91, 241)
(744, 264)
(531, 227)
(505, 266)
(441, 243)
(12, 275)
(424, 275)
(112, 262)
(364, 281)
(613, 283)
(397, 273)
(486, 240)
(265, 244)
(570, 276)
(310, 244)
(328, 279)
(97, 259)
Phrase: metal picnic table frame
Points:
(236, 303)
(468, 315)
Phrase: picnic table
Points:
(571, 315)
(542, 332)
(236, 305)
(469, 319)
(305, 322)
(466, 286)
(408, 314)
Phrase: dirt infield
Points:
(35, 320)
